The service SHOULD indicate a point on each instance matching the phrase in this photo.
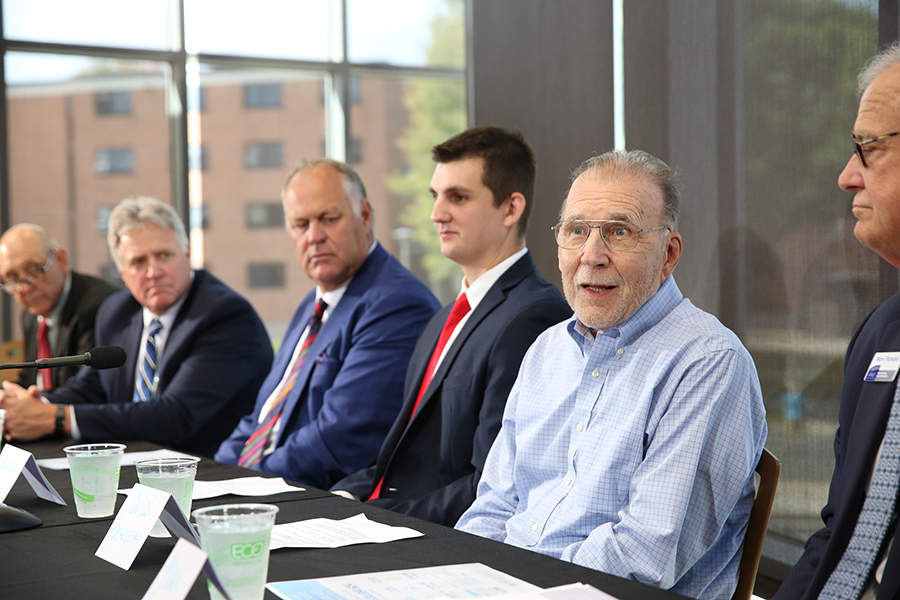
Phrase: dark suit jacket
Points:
(76, 328)
(349, 389)
(865, 407)
(215, 358)
(432, 465)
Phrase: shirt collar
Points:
(52, 317)
(664, 301)
(478, 289)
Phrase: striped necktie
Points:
(855, 567)
(145, 386)
(256, 444)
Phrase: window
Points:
(265, 275)
(263, 155)
(198, 158)
(262, 95)
(354, 151)
(102, 223)
(113, 103)
(114, 161)
(199, 217)
(263, 215)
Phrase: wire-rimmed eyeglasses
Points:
(858, 145)
(617, 235)
(33, 275)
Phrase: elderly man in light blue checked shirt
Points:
(631, 434)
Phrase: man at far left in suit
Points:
(336, 383)
(59, 305)
(196, 350)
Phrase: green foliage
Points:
(437, 111)
(800, 62)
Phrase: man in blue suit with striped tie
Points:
(336, 384)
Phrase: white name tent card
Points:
(14, 461)
(132, 525)
(178, 573)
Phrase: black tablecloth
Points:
(57, 559)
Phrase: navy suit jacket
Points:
(348, 390)
(431, 465)
(215, 358)
(76, 328)
(863, 417)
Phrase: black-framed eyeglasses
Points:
(618, 236)
(33, 276)
(858, 145)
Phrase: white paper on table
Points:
(471, 580)
(572, 591)
(243, 486)
(330, 533)
(14, 461)
(61, 464)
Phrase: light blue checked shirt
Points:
(632, 453)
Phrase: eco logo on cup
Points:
(248, 550)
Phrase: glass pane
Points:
(394, 124)
(407, 32)
(72, 158)
(296, 29)
(93, 22)
(809, 283)
(250, 148)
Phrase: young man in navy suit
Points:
(334, 388)
(467, 357)
(196, 350)
(854, 556)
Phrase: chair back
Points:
(769, 468)
(12, 351)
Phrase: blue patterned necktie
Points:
(145, 385)
(849, 578)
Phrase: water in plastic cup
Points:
(173, 475)
(236, 538)
(94, 469)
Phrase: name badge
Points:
(884, 367)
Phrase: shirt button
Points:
(568, 482)
(621, 351)
(579, 427)
(534, 527)
(595, 373)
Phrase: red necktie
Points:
(460, 309)
(43, 340)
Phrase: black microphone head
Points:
(106, 357)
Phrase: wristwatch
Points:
(60, 429)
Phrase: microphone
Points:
(104, 357)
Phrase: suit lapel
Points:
(131, 340)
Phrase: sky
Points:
(394, 31)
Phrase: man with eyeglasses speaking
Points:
(630, 437)
(59, 305)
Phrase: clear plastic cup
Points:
(173, 475)
(236, 537)
(94, 469)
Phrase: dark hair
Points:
(509, 163)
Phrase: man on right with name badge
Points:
(856, 555)
(631, 435)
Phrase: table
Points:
(56, 560)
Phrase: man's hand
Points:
(27, 418)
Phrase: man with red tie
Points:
(466, 359)
(59, 305)
(336, 383)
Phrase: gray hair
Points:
(639, 164)
(137, 213)
(353, 185)
(887, 58)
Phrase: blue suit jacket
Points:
(432, 465)
(349, 388)
(863, 417)
(216, 356)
